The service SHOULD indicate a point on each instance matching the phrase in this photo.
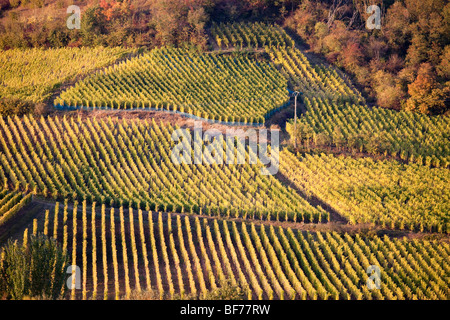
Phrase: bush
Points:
(41, 109)
(36, 269)
(143, 295)
(226, 291)
(14, 3)
(9, 107)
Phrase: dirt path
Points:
(313, 200)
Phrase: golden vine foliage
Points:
(387, 193)
(34, 74)
(218, 87)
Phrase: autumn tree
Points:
(426, 94)
(444, 66)
(178, 22)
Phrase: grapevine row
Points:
(129, 163)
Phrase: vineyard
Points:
(35, 73)
(218, 87)
(130, 162)
(250, 35)
(10, 203)
(121, 250)
(318, 80)
(367, 186)
(393, 195)
(412, 137)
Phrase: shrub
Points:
(227, 291)
(143, 295)
(14, 3)
(9, 107)
(36, 269)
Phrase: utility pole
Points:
(295, 94)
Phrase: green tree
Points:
(36, 269)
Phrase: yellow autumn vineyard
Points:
(181, 255)
(386, 193)
(107, 191)
(129, 163)
(209, 86)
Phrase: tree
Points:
(356, 142)
(10, 106)
(352, 55)
(444, 66)
(426, 94)
(396, 25)
(92, 25)
(322, 139)
(176, 23)
(388, 91)
(36, 269)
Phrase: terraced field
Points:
(135, 221)
(387, 193)
(130, 163)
